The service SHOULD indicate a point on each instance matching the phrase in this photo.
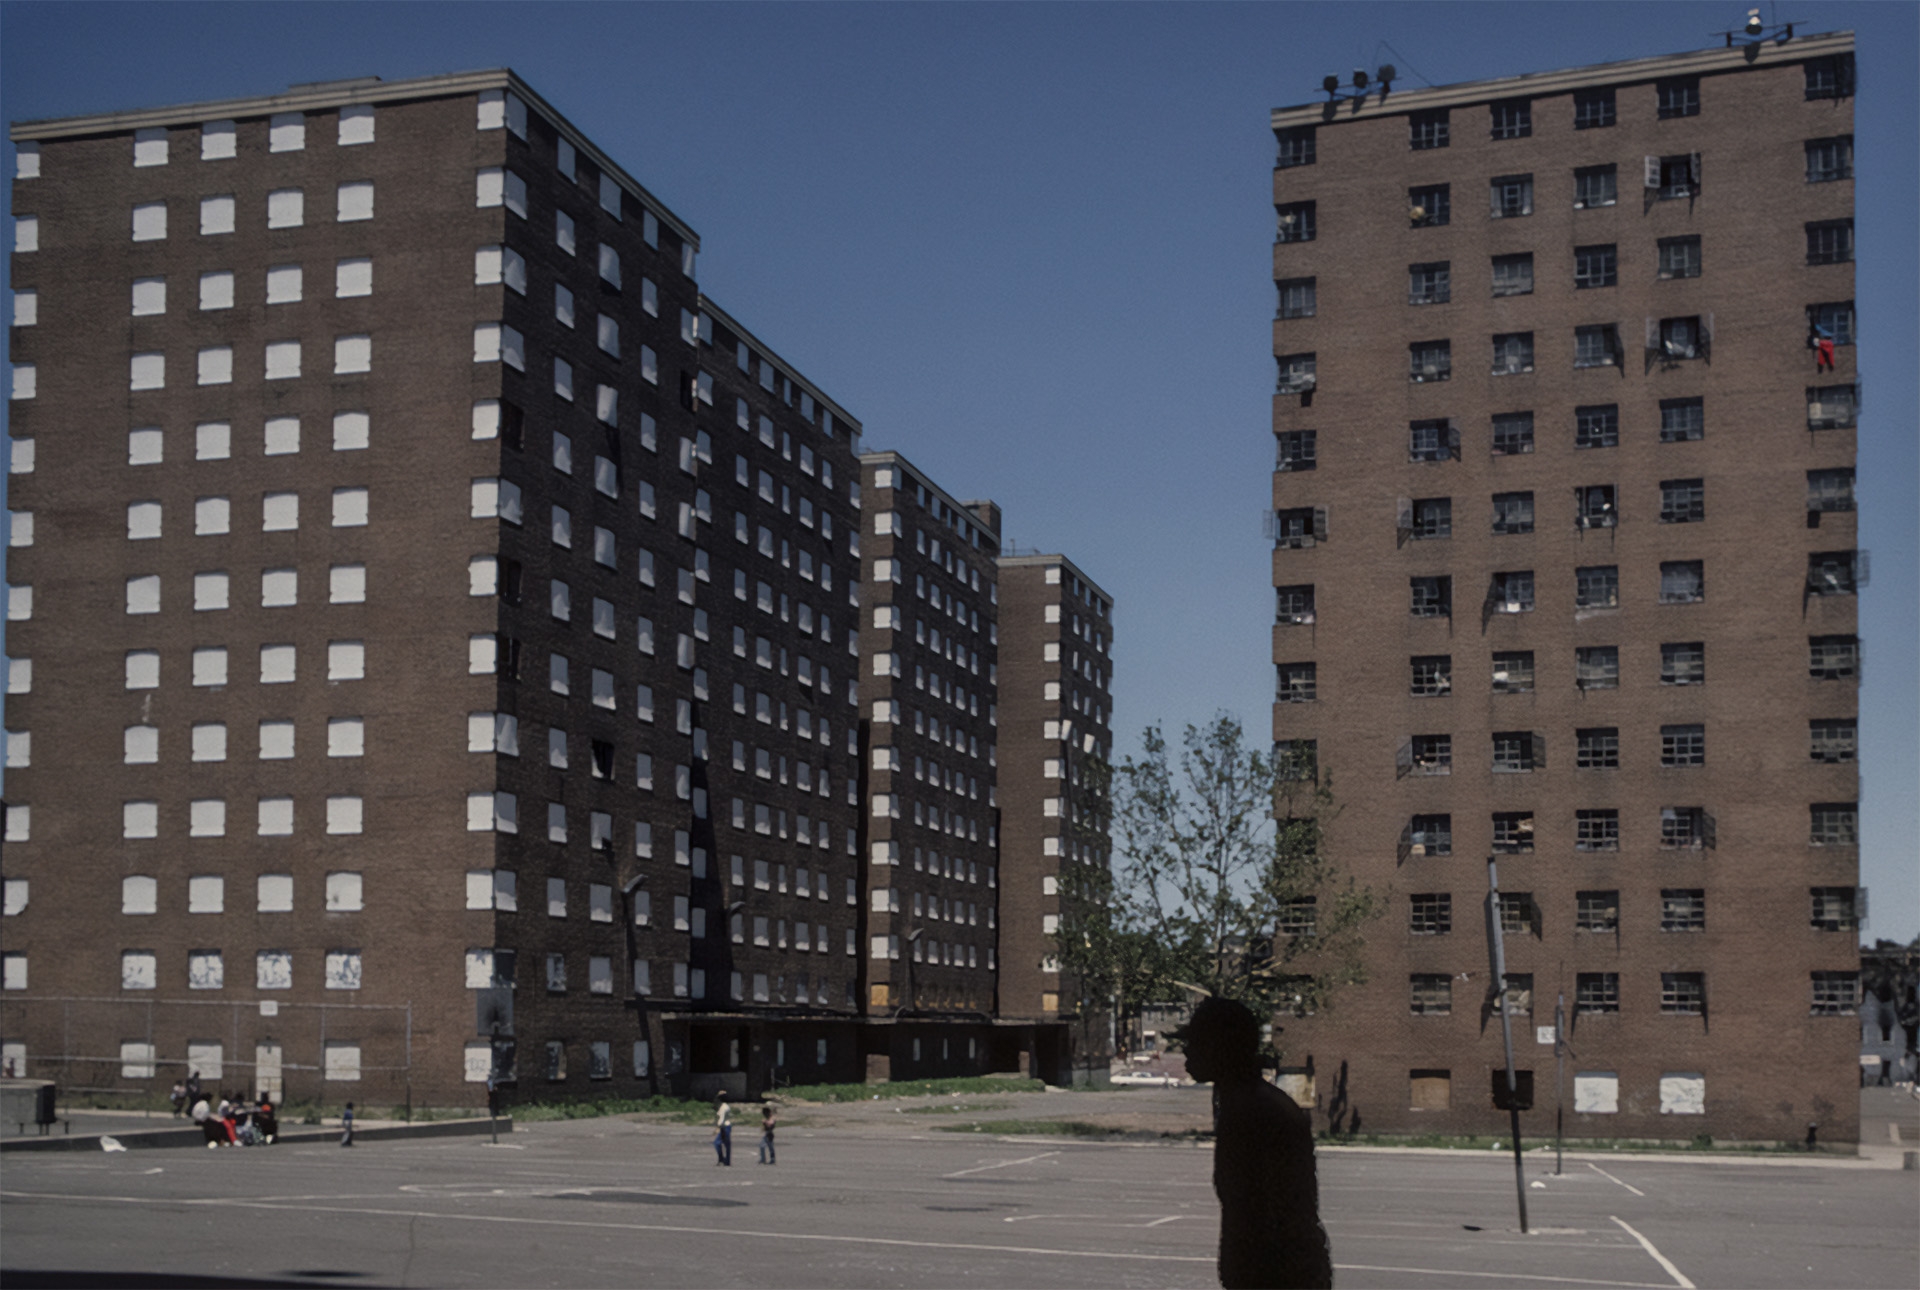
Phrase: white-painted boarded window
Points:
(209, 591)
(345, 815)
(276, 740)
(219, 141)
(19, 675)
(286, 208)
(206, 894)
(209, 666)
(210, 741)
(281, 436)
(150, 222)
(356, 124)
(26, 304)
(1683, 1093)
(146, 446)
(143, 594)
(353, 277)
(273, 893)
(284, 285)
(19, 749)
(140, 745)
(349, 508)
(347, 584)
(352, 354)
(216, 289)
(486, 419)
(149, 298)
(143, 669)
(279, 512)
(26, 234)
(216, 215)
(344, 892)
(146, 371)
(26, 384)
(279, 588)
(276, 817)
(350, 431)
(286, 132)
(346, 736)
(139, 820)
(342, 1056)
(214, 365)
(20, 453)
(139, 894)
(150, 146)
(143, 523)
(353, 201)
(276, 664)
(207, 818)
(1596, 1093)
(346, 660)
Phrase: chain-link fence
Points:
(132, 1051)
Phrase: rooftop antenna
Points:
(1361, 82)
(1755, 31)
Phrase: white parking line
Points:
(1658, 1257)
(1610, 1178)
(1001, 1164)
(1499, 1276)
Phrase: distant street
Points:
(874, 1195)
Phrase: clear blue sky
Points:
(1028, 245)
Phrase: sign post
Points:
(1497, 953)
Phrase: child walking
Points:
(767, 1117)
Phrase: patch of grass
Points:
(1702, 1143)
(1039, 1128)
(676, 1109)
(907, 1088)
(951, 1108)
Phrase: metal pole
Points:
(1498, 952)
(1559, 1078)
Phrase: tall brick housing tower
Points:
(1565, 566)
(432, 621)
(1056, 738)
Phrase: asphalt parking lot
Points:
(882, 1199)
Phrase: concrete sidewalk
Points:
(147, 1130)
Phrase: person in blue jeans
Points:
(723, 1129)
(767, 1117)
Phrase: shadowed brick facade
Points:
(1565, 561)
(1056, 714)
(929, 645)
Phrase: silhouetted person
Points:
(1270, 1233)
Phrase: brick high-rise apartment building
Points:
(930, 645)
(1565, 565)
(419, 593)
(1056, 724)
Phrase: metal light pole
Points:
(1497, 951)
(1559, 1078)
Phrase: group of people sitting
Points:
(229, 1123)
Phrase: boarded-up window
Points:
(1596, 1093)
(1683, 1093)
(1430, 1090)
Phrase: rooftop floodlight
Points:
(1783, 35)
(1754, 25)
(1359, 79)
(1331, 84)
(1386, 74)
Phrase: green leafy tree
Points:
(1224, 882)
